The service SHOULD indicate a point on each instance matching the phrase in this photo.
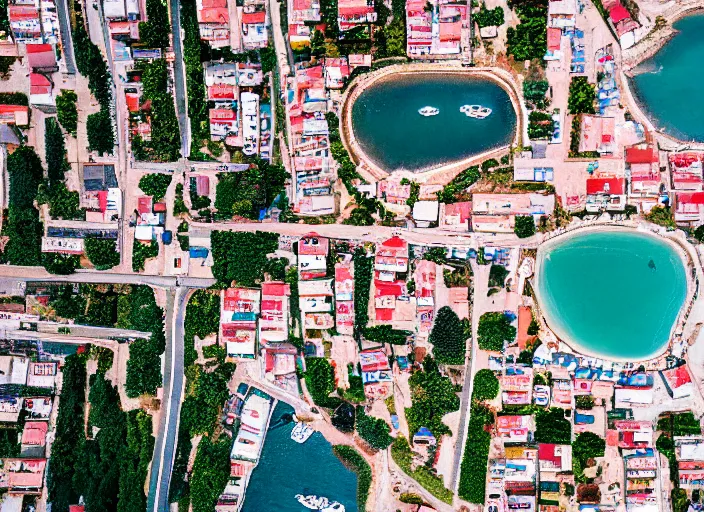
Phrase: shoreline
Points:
(578, 348)
(646, 49)
(361, 158)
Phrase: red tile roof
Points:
(554, 38)
(690, 197)
(641, 156)
(276, 289)
(611, 185)
(618, 13)
(253, 17)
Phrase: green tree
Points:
(432, 397)
(374, 431)
(472, 484)
(447, 337)
(102, 252)
(320, 380)
(241, 256)
(211, 470)
(25, 170)
(494, 330)
(67, 112)
(528, 40)
(586, 446)
(143, 368)
(155, 185)
(552, 427)
(486, 385)
(582, 96)
(100, 135)
(63, 203)
(24, 230)
(155, 32)
(56, 162)
(524, 226)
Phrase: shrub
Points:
(489, 17)
(540, 125)
(584, 402)
(403, 457)
(525, 226)
(587, 446)
(486, 385)
(141, 252)
(494, 330)
(679, 424)
(662, 216)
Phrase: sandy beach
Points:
(553, 326)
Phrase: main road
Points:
(166, 441)
(180, 93)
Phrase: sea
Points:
(614, 294)
(287, 468)
(388, 127)
(668, 85)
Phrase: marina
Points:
(388, 128)
(305, 469)
(612, 294)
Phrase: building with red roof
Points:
(40, 88)
(634, 434)
(456, 216)
(41, 58)
(254, 21)
(605, 193)
(351, 13)
(239, 310)
(274, 312)
(678, 381)
(14, 114)
(214, 22)
(555, 458)
(618, 13)
(25, 23)
(645, 180)
(689, 208)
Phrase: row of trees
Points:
(165, 143)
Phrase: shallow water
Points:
(668, 85)
(615, 294)
(394, 135)
(287, 468)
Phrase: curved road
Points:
(165, 446)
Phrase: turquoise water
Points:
(388, 127)
(668, 86)
(287, 468)
(599, 292)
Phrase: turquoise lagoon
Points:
(668, 86)
(392, 133)
(287, 468)
(613, 294)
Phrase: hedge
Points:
(472, 484)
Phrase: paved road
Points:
(165, 447)
(419, 236)
(28, 274)
(180, 93)
(66, 41)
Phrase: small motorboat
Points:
(429, 111)
(475, 111)
(335, 506)
(313, 502)
(301, 432)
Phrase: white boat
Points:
(476, 111)
(313, 502)
(335, 507)
(301, 432)
(429, 111)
